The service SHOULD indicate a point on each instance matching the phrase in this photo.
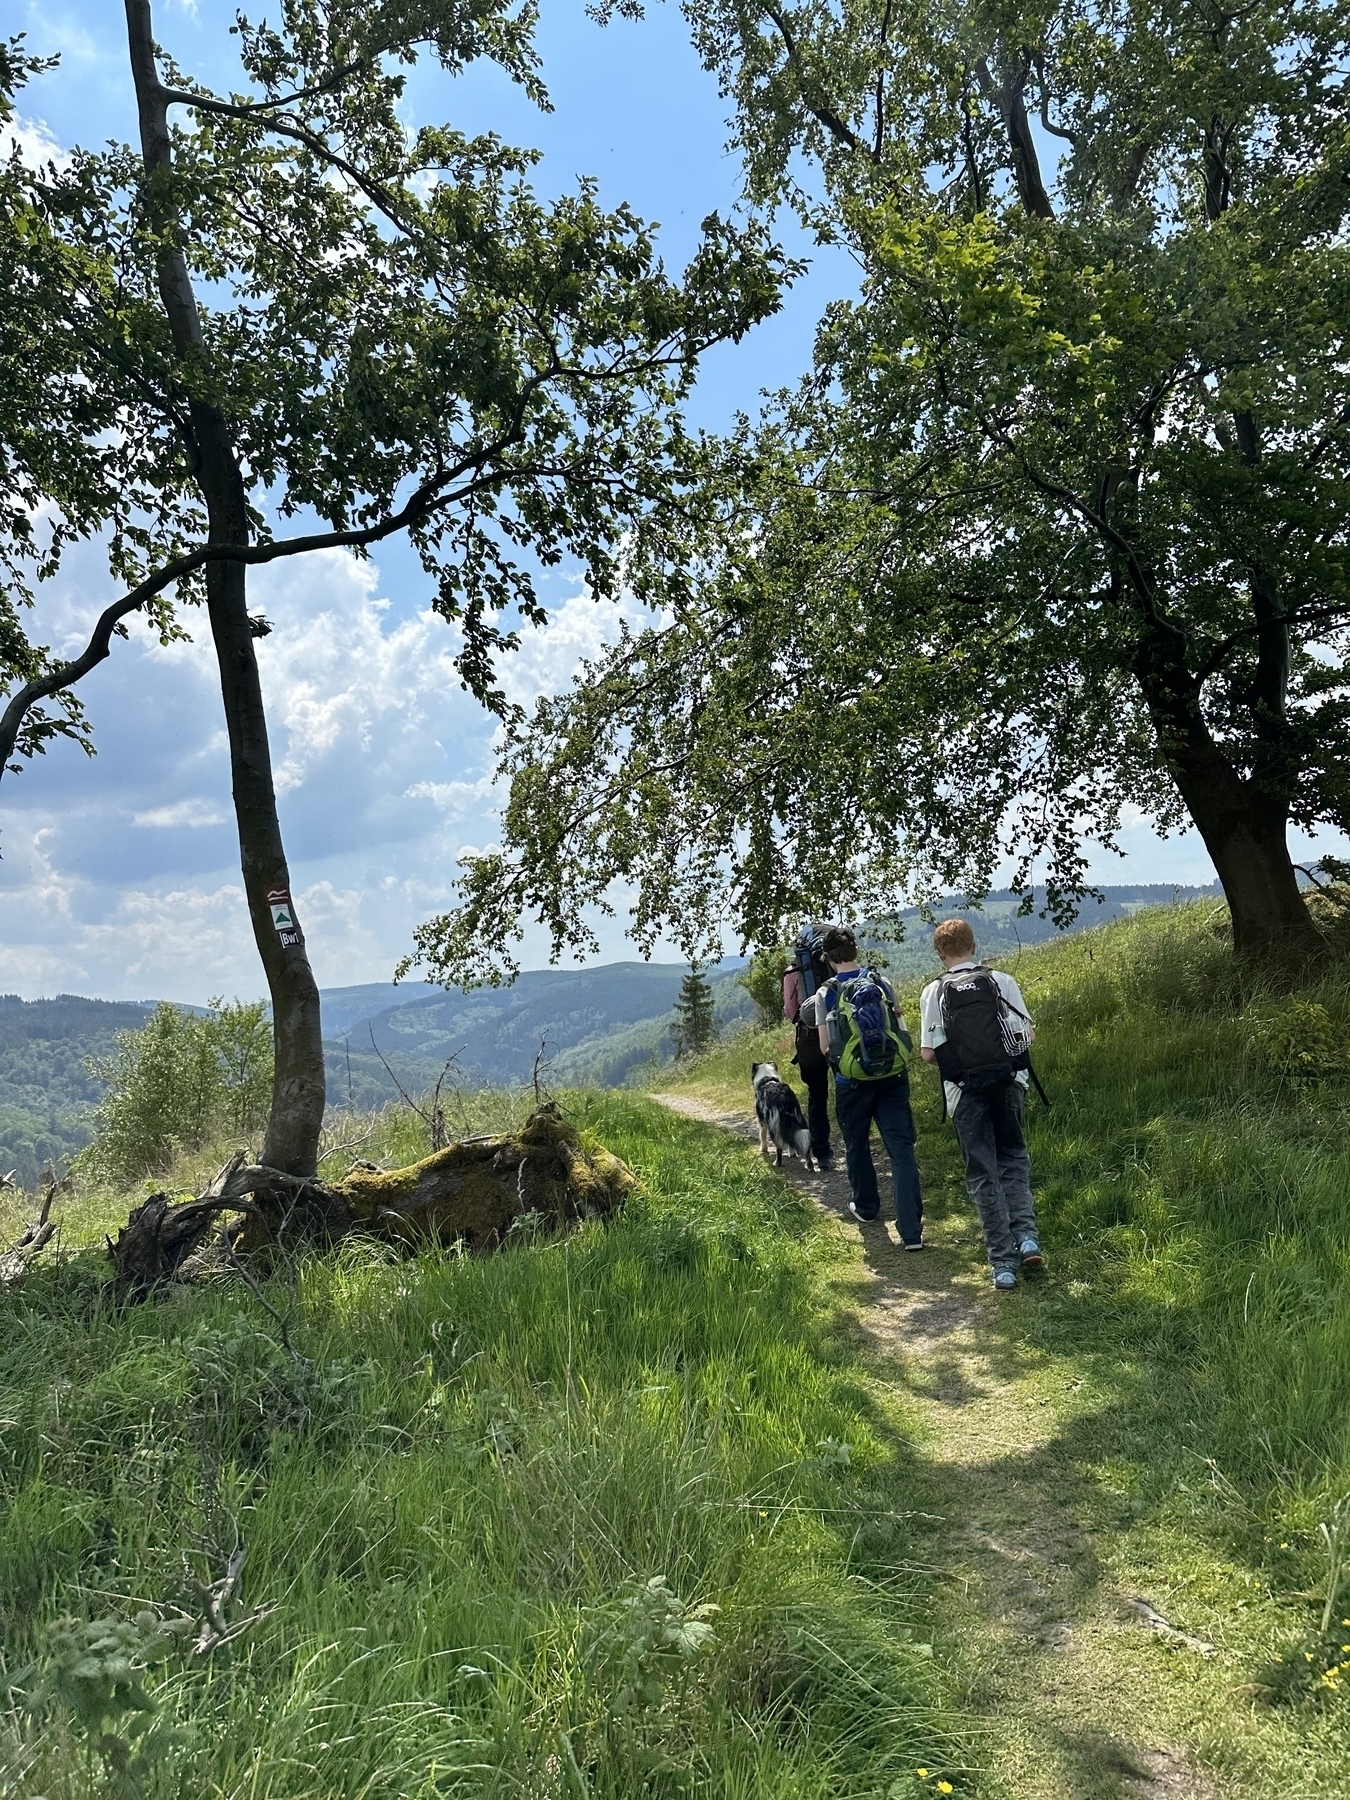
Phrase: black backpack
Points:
(982, 1048)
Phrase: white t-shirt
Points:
(931, 1033)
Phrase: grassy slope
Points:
(1171, 1409)
(454, 1503)
(453, 1511)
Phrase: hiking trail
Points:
(1091, 1688)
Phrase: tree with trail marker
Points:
(1056, 530)
(289, 299)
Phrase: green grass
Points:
(457, 1502)
(1182, 1380)
(1193, 1345)
(455, 1506)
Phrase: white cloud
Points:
(452, 798)
(35, 141)
(182, 812)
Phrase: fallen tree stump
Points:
(470, 1193)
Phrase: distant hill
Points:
(595, 1024)
(603, 1026)
(46, 1092)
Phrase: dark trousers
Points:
(815, 1072)
(998, 1169)
(856, 1104)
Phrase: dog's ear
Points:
(754, 1070)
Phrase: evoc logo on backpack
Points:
(983, 1049)
(867, 1041)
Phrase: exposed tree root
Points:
(471, 1193)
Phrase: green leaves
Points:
(1055, 529)
(398, 332)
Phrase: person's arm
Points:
(1021, 1018)
(928, 1025)
(823, 1018)
(792, 995)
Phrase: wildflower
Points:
(944, 1787)
(922, 1774)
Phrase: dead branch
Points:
(36, 1235)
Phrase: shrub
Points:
(1301, 1039)
(763, 981)
(172, 1084)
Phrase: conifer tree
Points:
(695, 1025)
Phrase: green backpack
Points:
(867, 1040)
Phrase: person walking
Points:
(864, 1037)
(802, 981)
(973, 1024)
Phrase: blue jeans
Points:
(856, 1104)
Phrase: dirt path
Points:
(1089, 1687)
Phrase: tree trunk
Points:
(1245, 834)
(292, 1141)
(1244, 824)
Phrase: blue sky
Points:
(120, 873)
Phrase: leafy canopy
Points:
(1055, 528)
(400, 334)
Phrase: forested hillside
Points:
(595, 1024)
(603, 1026)
(46, 1087)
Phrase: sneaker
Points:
(863, 1218)
(1005, 1280)
(918, 1246)
(825, 1163)
(1031, 1254)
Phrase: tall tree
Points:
(695, 1024)
(1056, 527)
(292, 307)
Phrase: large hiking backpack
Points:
(867, 1041)
(983, 1048)
(809, 957)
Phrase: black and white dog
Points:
(780, 1115)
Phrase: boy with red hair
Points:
(973, 1024)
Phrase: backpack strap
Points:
(1035, 1081)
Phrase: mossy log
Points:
(472, 1193)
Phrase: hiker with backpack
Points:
(803, 979)
(864, 1037)
(973, 1024)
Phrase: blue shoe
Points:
(1031, 1254)
(1005, 1280)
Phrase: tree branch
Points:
(424, 502)
(1008, 96)
(820, 109)
(375, 191)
